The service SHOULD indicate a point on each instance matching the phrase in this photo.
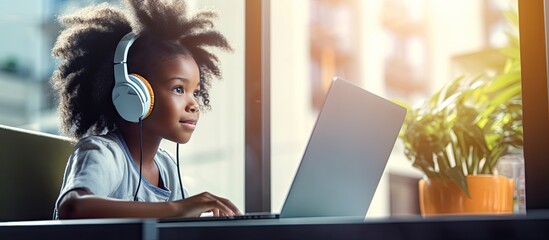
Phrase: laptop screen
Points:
(346, 155)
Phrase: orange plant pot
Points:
(489, 195)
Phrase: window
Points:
(398, 49)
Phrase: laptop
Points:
(345, 157)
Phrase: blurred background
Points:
(399, 49)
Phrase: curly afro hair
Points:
(84, 77)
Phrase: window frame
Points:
(257, 134)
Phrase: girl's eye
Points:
(178, 90)
(196, 94)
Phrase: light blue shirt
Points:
(103, 165)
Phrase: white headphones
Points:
(132, 94)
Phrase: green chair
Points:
(31, 173)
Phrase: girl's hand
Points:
(205, 202)
(80, 203)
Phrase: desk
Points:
(532, 226)
(484, 227)
(96, 229)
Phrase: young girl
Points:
(125, 81)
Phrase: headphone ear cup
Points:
(132, 98)
(148, 92)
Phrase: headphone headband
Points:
(121, 57)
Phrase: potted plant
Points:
(462, 131)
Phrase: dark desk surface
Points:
(465, 227)
(531, 226)
(102, 229)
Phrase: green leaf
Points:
(457, 177)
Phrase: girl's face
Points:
(175, 83)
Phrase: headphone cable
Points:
(179, 170)
(141, 163)
(140, 157)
